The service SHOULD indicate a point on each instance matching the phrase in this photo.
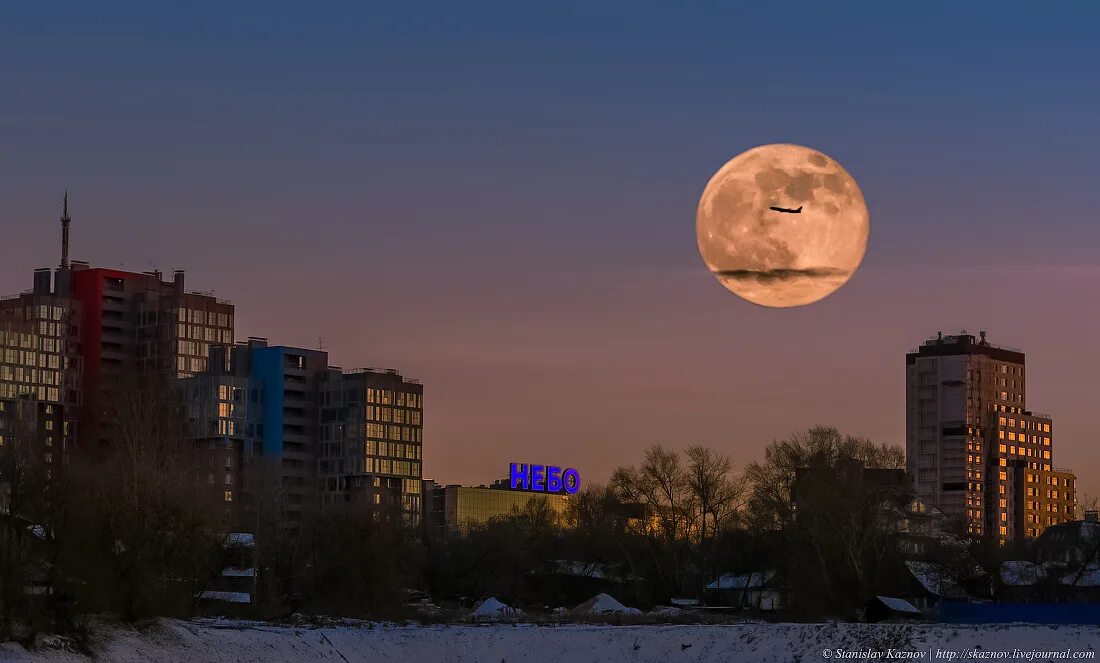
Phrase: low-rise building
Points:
(453, 509)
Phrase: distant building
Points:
(890, 484)
(41, 368)
(759, 590)
(81, 335)
(974, 449)
(223, 416)
(1075, 542)
(254, 413)
(452, 509)
(138, 323)
(371, 440)
(261, 420)
(274, 418)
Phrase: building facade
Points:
(973, 448)
(252, 420)
(263, 421)
(371, 439)
(138, 323)
(40, 372)
(454, 509)
(273, 423)
(223, 422)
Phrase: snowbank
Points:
(604, 604)
(491, 609)
(238, 642)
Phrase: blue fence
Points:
(956, 612)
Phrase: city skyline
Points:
(442, 253)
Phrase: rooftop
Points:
(964, 343)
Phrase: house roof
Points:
(1088, 577)
(1021, 573)
(1073, 533)
(228, 597)
(898, 605)
(936, 580)
(754, 580)
(240, 539)
(594, 570)
(234, 572)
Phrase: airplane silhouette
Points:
(788, 211)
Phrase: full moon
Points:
(792, 256)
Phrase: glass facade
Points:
(465, 506)
(39, 374)
(372, 437)
(34, 348)
(224, 424)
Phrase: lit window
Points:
(229, 496)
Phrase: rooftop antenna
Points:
(65, 221)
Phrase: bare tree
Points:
(717, 494)
(661, 484)
(23, 503)
(147, 535)
(769, 504)
(283, 537)
(1087, 503)
(837, 543)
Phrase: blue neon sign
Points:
(544, 478)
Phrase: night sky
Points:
(499, 200)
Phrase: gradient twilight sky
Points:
(499, 199)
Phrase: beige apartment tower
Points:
(973, 448)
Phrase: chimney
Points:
(177, 278)
(1091, 516)
(982, 334)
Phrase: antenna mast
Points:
(65, 221)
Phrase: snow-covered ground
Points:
(240, 642)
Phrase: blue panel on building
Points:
(268, 373)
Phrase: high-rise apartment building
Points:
(333, 437)
(371, 439)
(40, 370)
(262, 420)
(254, 413)
(223, 420)
(139, 323)
(973, 448)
